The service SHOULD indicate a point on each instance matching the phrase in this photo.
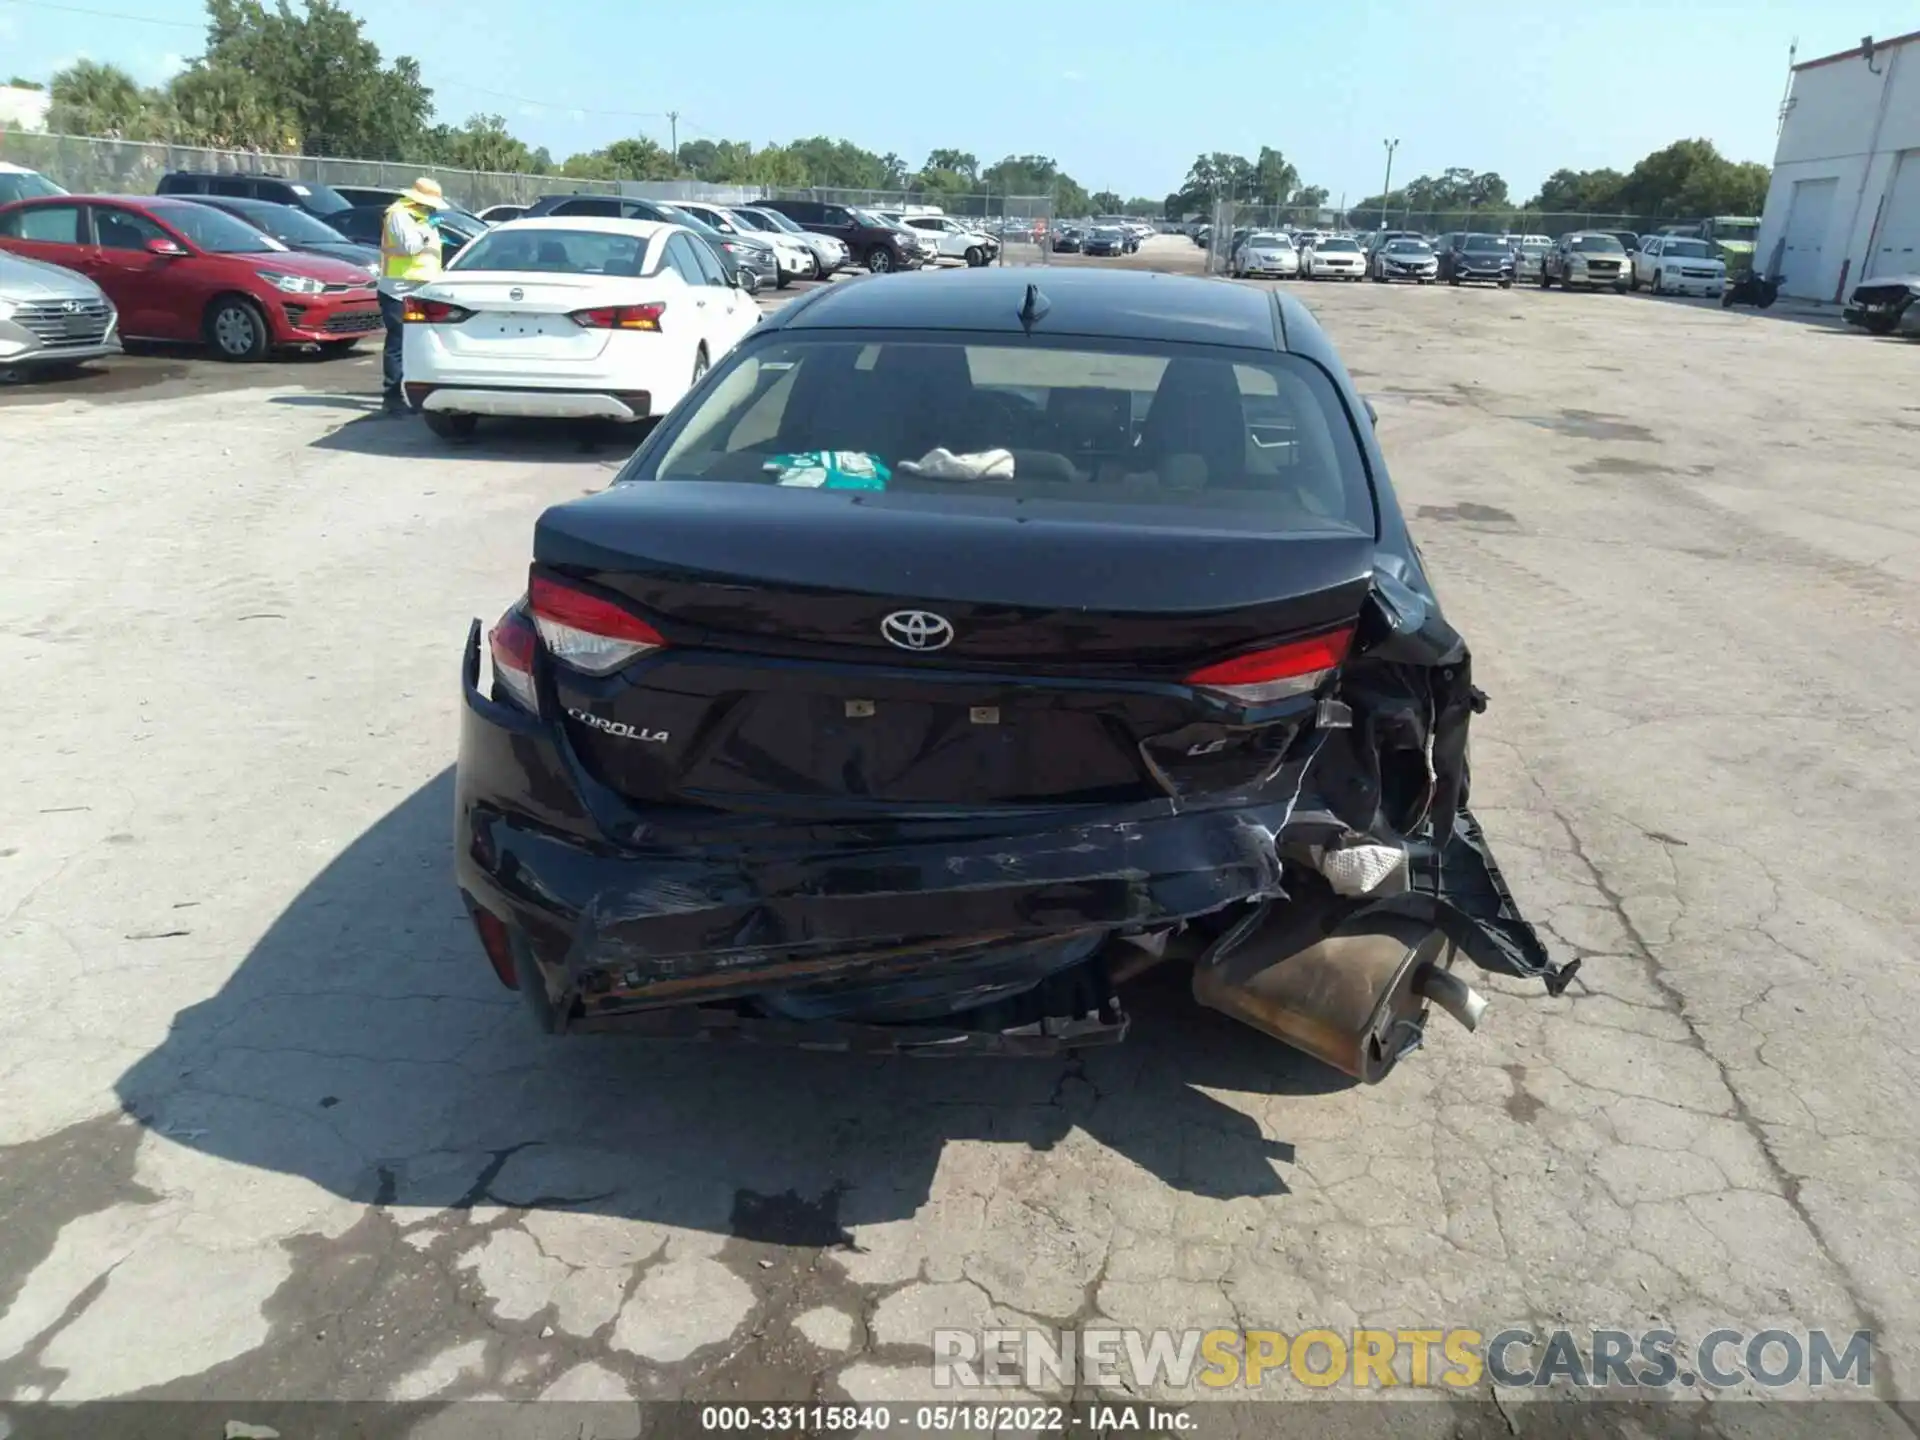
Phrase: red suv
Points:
(180, 270)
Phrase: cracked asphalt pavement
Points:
(269, 1129)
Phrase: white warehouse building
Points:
(1844, 203)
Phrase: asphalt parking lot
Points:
(269, 1129)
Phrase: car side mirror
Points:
(1373, 415)
(160, 245)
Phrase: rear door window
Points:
(48, 224)
(684, 259)
(1263, 436)
(710, 268)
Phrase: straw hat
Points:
(426, 191)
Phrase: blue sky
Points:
(1123, 93)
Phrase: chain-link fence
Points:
(87, 165)
(92, 165)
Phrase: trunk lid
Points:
(921, 651)
(526, 316)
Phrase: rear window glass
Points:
(1263, 436)
(26, 185)
(558, 252)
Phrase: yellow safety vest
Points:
(395, 262)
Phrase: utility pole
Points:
(1386, 187)
(673, 119)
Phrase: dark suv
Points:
(311, 196)
(870, 240)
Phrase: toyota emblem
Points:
(917, 630)
(516, 293)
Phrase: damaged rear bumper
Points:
(998, 934)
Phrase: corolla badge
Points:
(917, 630)
(619, 729)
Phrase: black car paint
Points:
(1459, 264)
(258, 213)
(902, 249)
(319, 201)
(363, 224)
(933, 923)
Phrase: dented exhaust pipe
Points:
(1351, 990)
(1453, 995)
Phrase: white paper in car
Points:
(943, 464)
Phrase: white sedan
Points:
(574, 317)
(1266, 252)
(1678, 265)
(1335, 257)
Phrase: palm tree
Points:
(89, 98)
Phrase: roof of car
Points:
(1117, 304)
(605, 224)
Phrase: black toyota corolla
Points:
(962, 647)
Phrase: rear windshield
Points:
(26, 185)
(321, 199)
(554, 252)
(1256, 434)
(287, 222)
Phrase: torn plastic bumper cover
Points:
(988, 935)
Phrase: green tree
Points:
(20, 82)
(697, 158)
(637, 159)
(484, 143)
(229, 110)
(1038, 175)
(1691, 178)
(1211, 178)
(1105, 202)
(839, 164)
(1274, 177)
(318, 66)
(1576, 191)
(960, 162)
(89, 98)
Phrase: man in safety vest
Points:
(409, 258)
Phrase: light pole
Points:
(1386, 187)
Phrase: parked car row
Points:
(248, 263)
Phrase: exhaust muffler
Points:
(1352, 994)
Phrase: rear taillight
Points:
(620, 317)
(432, 312)
(1295, 668)
(512, 643)
(586, 632)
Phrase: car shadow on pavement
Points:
(364, 1045)
(365, 404)
(407, 436)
